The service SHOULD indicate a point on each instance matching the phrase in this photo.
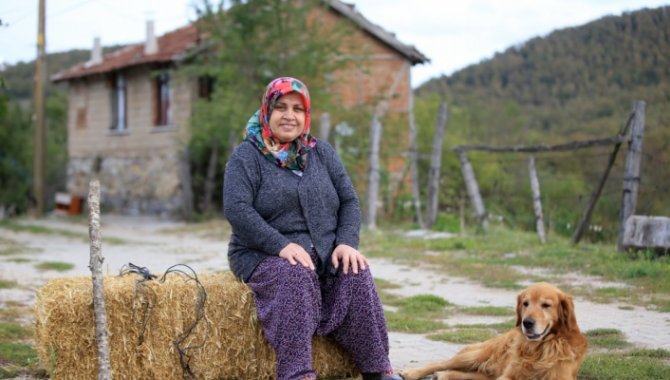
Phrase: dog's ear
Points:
(566, 313)
(519, 300)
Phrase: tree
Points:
(15, 156)
(249, 44)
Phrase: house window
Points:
(119, 106)
(205, 87)
(163, 100)
(81, 118)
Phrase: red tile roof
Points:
(174, 45)
(171, 47)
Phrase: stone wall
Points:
(141, 184)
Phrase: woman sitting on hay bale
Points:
(296, 221)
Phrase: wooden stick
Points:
(588, 211)
(95, 265)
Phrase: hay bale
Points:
(227, 343)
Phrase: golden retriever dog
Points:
(545, 344)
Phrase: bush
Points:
(447, 223)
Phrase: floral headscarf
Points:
(291, 155)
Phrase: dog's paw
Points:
(411, 375)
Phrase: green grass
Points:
(12, 331)
(16, 356)
(422, 305)
(10, 250)
(55, 265)
(382, 284)
(499, 327)
(418, 314)
(606, 338)
(19, 260)
(7, 284)
(632, 365)
(487, 310)
(396, 321)
(12, 225)
(9, 247)
(464, 335)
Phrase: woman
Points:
(296, 221)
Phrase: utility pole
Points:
(38, 115)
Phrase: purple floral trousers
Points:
(294, 304)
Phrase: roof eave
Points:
(350, 12)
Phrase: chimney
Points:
(151, 45)
(96, 53)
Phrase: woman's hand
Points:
(349, 257)
(294, 253)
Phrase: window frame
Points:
(119, 103)
(163, 100)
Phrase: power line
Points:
(50, 15)
(65, 10)
(120, 12)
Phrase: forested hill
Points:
(578, 74)
(19, 78)
(573, 84)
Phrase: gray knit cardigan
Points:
(269, 207)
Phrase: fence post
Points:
(537, 202)
(473, 191)
(435, 165)
(373, 172)
(631, 176)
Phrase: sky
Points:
(452, 33)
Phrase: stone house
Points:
(129, 114)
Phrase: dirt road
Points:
(145, 242)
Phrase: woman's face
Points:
(287, 120)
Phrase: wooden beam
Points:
(541, 147)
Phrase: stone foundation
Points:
(130, 185)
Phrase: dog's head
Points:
(542, 308)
